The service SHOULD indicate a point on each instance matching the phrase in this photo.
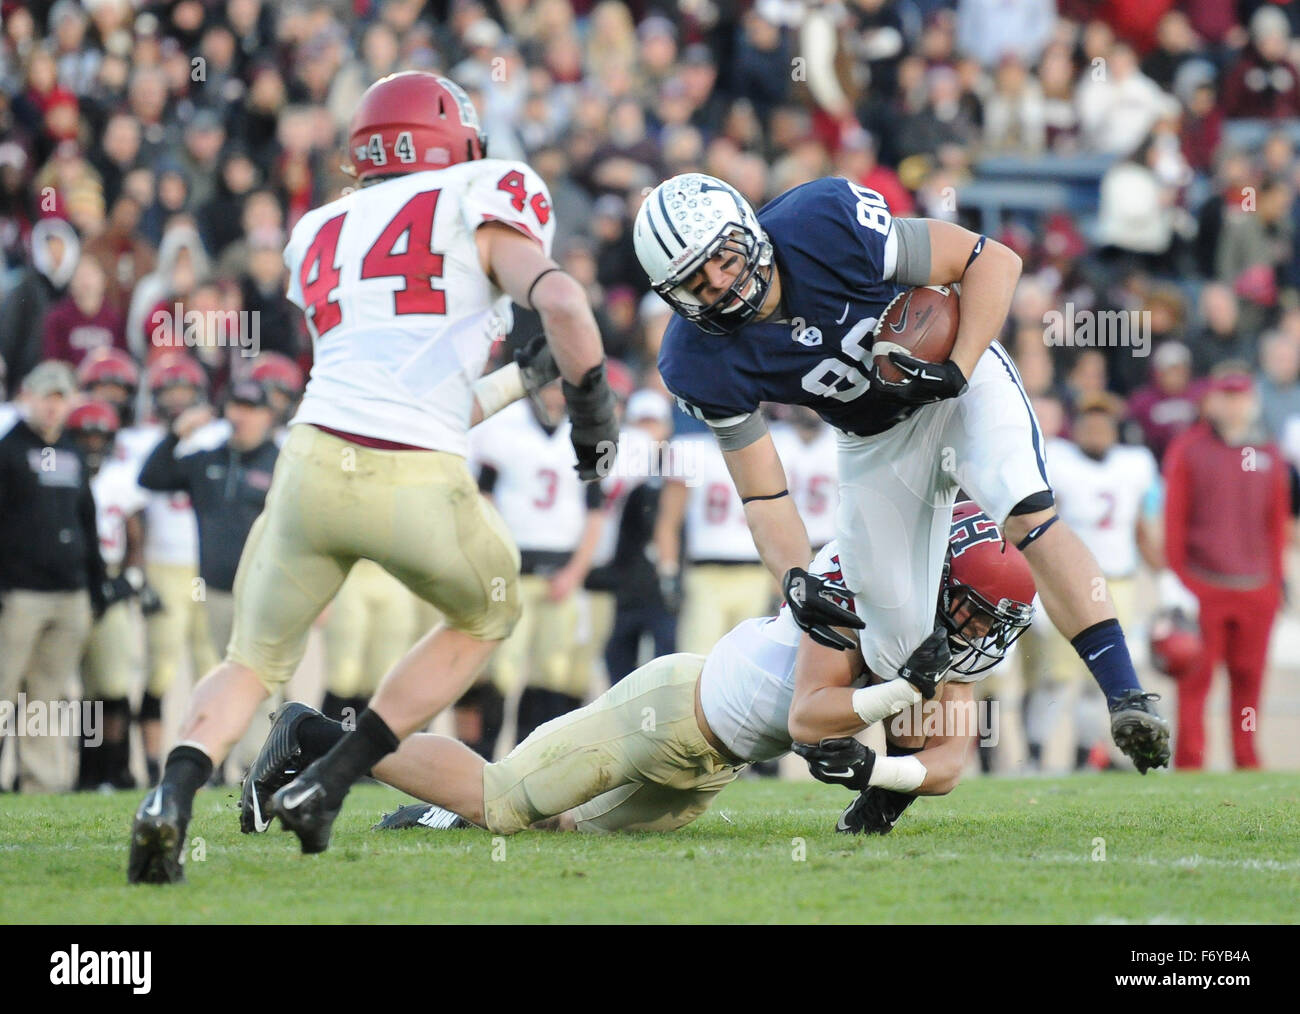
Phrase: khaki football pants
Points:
(112, 660)
(181, 628)
(42, 638)
(634, 759)
(717, 597)
(371, 625)
(418, 514)
(539, 653)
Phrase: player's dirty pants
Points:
(42, 637)
(1235, 627)
(418, 514)
(634, 759)
(896, 495)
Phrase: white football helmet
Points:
(687, 220)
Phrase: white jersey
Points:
(1103, 500)
(117, 497)
(716, 528)
(401, 313)
(171, 535)
(537, 492)
(748, 680)
(812, 471)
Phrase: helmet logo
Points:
(973, 531)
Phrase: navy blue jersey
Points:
(833, 246)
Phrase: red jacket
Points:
(1226, 511)
(70, 334)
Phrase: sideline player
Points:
(405, 282)
(783, 307)
(653, 751)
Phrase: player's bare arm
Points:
(822, 707)
(988, 272)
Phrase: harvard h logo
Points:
(971, 531)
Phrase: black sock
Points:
(1035, 752)
(1081, 755)
(90, 772)
(153, 770)
(485, 701)
(354, 755)
(357, 705)
(319, 734)
(185, 772)
(332, 706)
(117, 751)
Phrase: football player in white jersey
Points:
(111, 657)
(525, 464)
(808, 451)
(405, 282)
(723, 580)
(1109, 493)
(653, 751)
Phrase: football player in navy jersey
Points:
(782, 306)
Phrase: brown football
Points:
(921, 322)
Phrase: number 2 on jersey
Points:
(416, 264)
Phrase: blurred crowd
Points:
(154, 155)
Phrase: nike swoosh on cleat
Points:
(293, 802)
(153, 808)
(259, 825)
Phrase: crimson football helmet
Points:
(1176, 644)
(176, 368)
(107, 365)
(986, 600)
(411, 121)
(279, 373)
(93, 426)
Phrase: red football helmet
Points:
(986, 600)
(107, 365)
(278, 372)
(175, 368)
(1176, 644)
(93, 417)
(411, 121)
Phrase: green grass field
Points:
(1178, 849)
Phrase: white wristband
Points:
(498, 389)
(875, 704)
(902, 774)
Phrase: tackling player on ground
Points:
(783, 306)
(405, 283)
(653, 751)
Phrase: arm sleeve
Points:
(595, 496)
(513, 193)
(912, 252)
(162, 471)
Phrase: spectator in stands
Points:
(1222, 335)
(1227, 520)
(1278, 382)
(1119, 105)
(1256, 244)
(991, 29)
(51, 573)
(83, 320)
(1263, 82)
(55, 251)
(1014, 115)
(1167, 404)
(1176, 43)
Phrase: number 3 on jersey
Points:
(411, 229)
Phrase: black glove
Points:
(842, 761)
(926, 666)
(924, 382)
(815, 610)
(115, 590)
(536, 364)
(594, 426)
(150, 603)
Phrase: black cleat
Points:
(1139, 731)
(875, 811)
(429, 815)
(276, 764)
(157, 838)
(300, 805)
